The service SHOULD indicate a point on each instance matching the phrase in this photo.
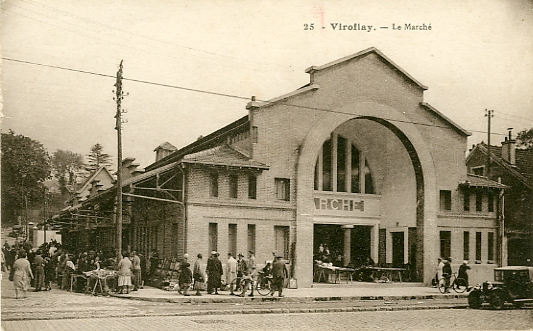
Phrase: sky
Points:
(478, 55)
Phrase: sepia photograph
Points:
(266, 165)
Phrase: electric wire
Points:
(232, 95)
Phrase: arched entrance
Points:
(418, 231)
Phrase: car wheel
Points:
(496, 300)
(475, 300)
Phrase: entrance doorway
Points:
(397, 249)
(332, 238)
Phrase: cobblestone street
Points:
(448, 319)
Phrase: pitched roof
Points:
(523, 168)
(223, 155)
(480, 181)
(166, 146)
(455, 126)
(362, 54)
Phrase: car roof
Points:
(518, 268)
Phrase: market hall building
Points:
(355, 160)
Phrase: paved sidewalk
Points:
(356, 291)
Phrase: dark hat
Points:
(241, 254)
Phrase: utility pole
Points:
(489, 114)
(119, 96)
(44, 213)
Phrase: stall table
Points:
(389, 273)
(325, 271)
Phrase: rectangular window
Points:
(479, 201)
(479, 171)
(478, 246)
(232, 239)
(213, 184)
(251, 237)
(445, 200)
(213, 237)
(255, 134)
(466, 201)
(282, 189)
(491, 202)
(466, 245)
(233, 185)
(445, 243)
(282, 240)
(341, 164)
(490, 246)
(355, 170)
(252, 187)
(327, 169)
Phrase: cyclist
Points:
(463, 274)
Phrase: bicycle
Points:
(459, 285)
(263, 284)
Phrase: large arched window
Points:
(341, 167)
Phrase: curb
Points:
(259, 299)
(250, 312)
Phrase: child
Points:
(185, 279)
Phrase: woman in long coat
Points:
(22, 274)
(198, 275)
(124, 274)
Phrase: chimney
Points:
(509, 149)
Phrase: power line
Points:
(231, 95)
(124, 31)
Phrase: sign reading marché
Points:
(344, 204)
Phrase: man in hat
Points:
(241, 267)
(214, 272)
(136, 268)
(249, 274)
(279, 273)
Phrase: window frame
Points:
(445, 200)
(286, 189)
(233, 186)
(252, 187)
(213, 184)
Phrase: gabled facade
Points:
(355, 160)
(514, 168)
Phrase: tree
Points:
(25, 166)
(67, 166)
(524, 138)
(97, 158)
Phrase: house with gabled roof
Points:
(513, 167)
(355, 162)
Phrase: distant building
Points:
(514, 168)
(355, 160)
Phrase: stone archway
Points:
(421, 159)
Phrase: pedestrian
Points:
(463, 274)
(241, 266)
(214, 273)
(22, 275)
(136, 270)
(198, 275)
(185, 279)
(231, 272)
(438, 271)
(249, 274)
(124, 274)
(38, 264)
(4, 266)
(68, 269)
(279, 274)
(447, 274)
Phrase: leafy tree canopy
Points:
(97, 158)
(25, 166)
(67, 166)
(524, 138)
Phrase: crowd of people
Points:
(51, 263)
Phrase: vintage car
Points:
(513, 284)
